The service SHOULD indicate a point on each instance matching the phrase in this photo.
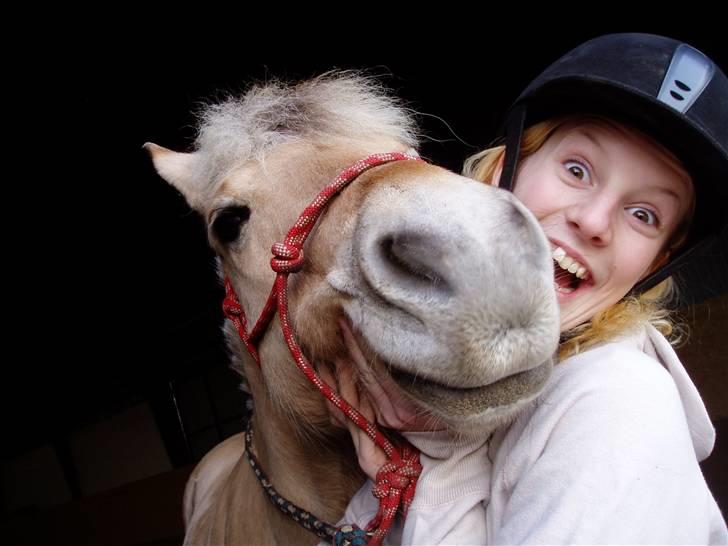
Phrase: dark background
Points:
(118, 294)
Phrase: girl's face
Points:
(609, 200)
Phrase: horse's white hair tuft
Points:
(344, 104)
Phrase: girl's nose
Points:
(592, 218)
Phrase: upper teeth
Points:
(568, 263)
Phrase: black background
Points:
(116, 287)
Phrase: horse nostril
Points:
(412, 257)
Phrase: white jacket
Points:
(608, 454)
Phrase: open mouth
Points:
(465, 401)
(569, 273)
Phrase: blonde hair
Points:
(630, 312)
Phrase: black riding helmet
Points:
(663, 87)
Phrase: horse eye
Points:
(228, 222)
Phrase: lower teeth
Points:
(563, 289)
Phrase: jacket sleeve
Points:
(606, 458)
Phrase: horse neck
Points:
(315, 472)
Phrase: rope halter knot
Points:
(396, 476)
(394, 487)
(230, 305)
(286, 258)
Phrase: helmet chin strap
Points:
(675, 263)
(514, 133)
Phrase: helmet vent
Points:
(687, 76)
(681, 85)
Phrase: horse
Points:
(445, 283)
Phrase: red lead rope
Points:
(397, 478)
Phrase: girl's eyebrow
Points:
(664, 190)
(589, 136)
(579, 131)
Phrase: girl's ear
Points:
(495, 179)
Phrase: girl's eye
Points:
(577, 170)
(644, 215)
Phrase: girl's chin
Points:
(572, 311)
(568, 324)
(585, 302)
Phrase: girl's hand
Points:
(371, 457)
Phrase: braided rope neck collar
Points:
(339, 536)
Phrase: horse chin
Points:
(501, 397)
(408, 401)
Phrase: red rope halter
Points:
(397, 478)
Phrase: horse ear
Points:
(176, 168)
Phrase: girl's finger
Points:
(335, 416)
(369, 380)
(370, 455)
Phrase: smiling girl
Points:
(620, 151)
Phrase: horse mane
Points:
(339, 105)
